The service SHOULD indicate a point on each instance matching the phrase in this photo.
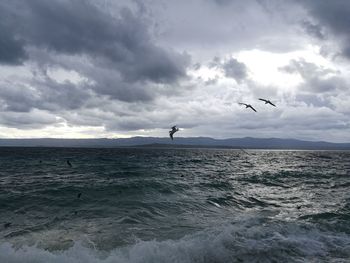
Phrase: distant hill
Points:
(156, 142)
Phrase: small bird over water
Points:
(7, 224)
(173, 130)
(268, 102)
(68, 162)
(247, 106)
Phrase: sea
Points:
(173, 205)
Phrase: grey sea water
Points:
(174, 205)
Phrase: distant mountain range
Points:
(192, 142)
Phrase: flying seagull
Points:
(268, 102)
(173, 130)
(247, 106)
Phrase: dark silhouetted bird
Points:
(247, 106)
(268, 102)
(79, 195)
(68, 162)
(173, 130)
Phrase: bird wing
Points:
(263, 100)
(272, 103)
(171, 135)
(252, 108)
(241, 103)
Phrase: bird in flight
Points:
(268, 102)
(247, 106)
(173, 130)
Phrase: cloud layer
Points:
(135, 68)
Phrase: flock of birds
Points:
(175, 129)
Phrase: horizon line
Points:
(155, 137)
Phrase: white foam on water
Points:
(245, 241)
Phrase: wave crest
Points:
(245, 241)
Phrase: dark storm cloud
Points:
(11, 49)
(313, 29)
(79, 27)
(43, 93)
(121, 66)
(334, 16)
(106, 82)
(113, 53)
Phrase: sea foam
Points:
(252, 240)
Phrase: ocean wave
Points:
(248, 240)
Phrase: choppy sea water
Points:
(174, 205)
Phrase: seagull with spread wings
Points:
(173, 130)
(247, 106)
(268, 102)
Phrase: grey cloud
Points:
(312, 29)
(316, 78)
(27, 120)
(235, 69)
(130, 124)
(196, 66)
(215, 63)
(259, 90)
(102, 86)
(90, 117)
(267, 25)
(56, 96)
(306, 69)
(120, 117)
(333, 15)
(79, 27)
(232, 68)
(211, 81)
(11, 49)
(222, 2)
(42, 93)
(313, 99)
(134, 81)
(332, 84)
(321, 118)
(16, 97)
(106, 82)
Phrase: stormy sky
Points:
(113, 68)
